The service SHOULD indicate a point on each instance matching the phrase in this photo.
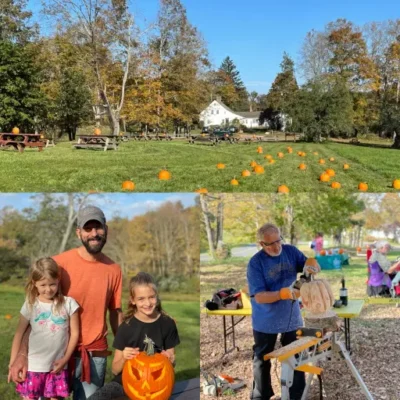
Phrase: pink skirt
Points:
(44, 384)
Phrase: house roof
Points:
(244, 114)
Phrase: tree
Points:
(231, 75)
(104, 31)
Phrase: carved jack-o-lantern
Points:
(148, 376)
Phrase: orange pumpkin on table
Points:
(322, 253)
(149, 375)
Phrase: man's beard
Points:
(275, 254)
(95, 248)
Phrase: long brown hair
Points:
(141, 279)
(43, 268)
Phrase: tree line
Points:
(97, 63)
(164, 242)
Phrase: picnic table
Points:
(104, 142)
(352, 310)
(20, 141)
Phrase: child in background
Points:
(54, 335)
(144, 318)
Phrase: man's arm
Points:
(115, 319)
(19, 366)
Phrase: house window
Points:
(217, 111)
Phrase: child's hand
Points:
(130, 352)
(59, 365)
(171, 357)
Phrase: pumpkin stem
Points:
(149, 346)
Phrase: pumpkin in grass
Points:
(149, 375)
(280, 155)
(336, 185)
(346, 166)
(259, 150)
(268, 157)
(332, 159)
(8, 316)
(317, 296)
(362, 187)
(396, 184)
(330, 172)
(253, 164)
(128, 185)
(271, 161)
(303, 166)
(246, 172)
(164, 175)
(289, 150)
(258, 169)
(321, 161)
(324, 177)
(234, 182)
(283, 189)
(201, 191)
(220, 166)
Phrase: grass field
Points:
(186, 314)
(64, 169)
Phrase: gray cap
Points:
(90, 213)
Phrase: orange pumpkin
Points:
(259, 150)
(283, 189)
(128, 185)
(268, 157)
(341, 251)
(362, 187)
(164, 175)
(234, 182)
(97, 131)
(220, 166)
(330, 172)
(15, 130)
(317, 296)
(321, 161)
(201, 191)
(148, 376)
(253, 164)
(258, 169)
(396, 184)
(322, 253)
(271, 161)
(280, 155)
(289, 150)
(303, 166)
(346, 166)
(359, 249)
(8, 316)
(324, 177)
(332, 159)
(336, 185)
(246, 172)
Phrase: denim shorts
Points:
(82, 390)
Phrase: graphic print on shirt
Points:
(49, 320)
(282, 271)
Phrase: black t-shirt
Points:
(162, 332)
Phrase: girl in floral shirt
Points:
(54, 323)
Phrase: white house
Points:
(217, 113)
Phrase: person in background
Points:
(318, 243)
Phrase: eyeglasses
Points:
(272, 243)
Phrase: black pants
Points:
(109, 391)
(264, 343)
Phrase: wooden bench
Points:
(104, 142)
(183, 390)
(20, 141)
(50, 143)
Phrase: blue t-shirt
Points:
(266, 273)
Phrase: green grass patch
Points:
(65, 169)
(185, 312)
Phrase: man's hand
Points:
(59, 365)
(289, 294)
(18, 369)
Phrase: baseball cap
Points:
(90, 213)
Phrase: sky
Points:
(125, 205)
(255, 33)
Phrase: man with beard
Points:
(95, 282)
(275, 308)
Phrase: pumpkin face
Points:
(164, 175)
(220, 166)
(15, 130)
(128, 185)
(330, 172)
(303, 166)
(324, 177)
(396, 184)
(362, 187)
(246, 172)
(283, 189)
(336, 185)
(258, 169)
(148, 377)
(317, 296)
(346, 166)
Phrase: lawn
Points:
(186, 314)
(64, 169)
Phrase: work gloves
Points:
(289, 293)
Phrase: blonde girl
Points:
(144, 317)
(54, 333)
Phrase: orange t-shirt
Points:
(96, 286)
